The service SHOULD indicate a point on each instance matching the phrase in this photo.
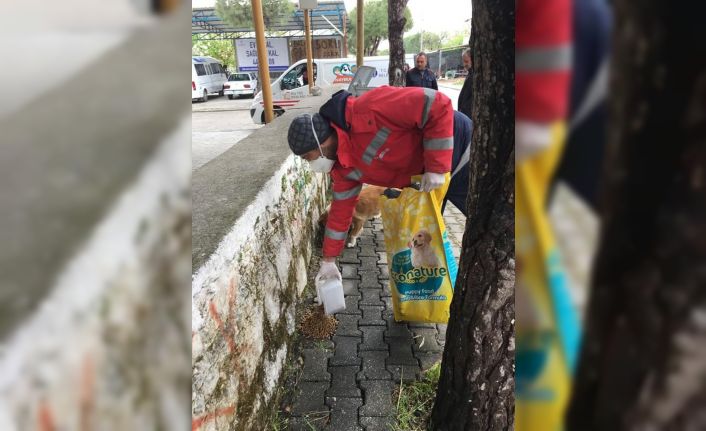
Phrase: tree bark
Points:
(476, 387)
(643, 360)
(395, 31)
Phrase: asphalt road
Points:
(217, 125)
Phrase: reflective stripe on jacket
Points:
(394, 133)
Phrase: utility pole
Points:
(421, 40)
(359, 35)
(263, 65)
(307, 42)
(345, 38)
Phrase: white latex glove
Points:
(328, 270)
(531, 138)
(431, 181)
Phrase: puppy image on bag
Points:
(422, 252)
(367, 208)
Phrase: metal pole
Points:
(439, 66)
(262, 63)
(345, 38)
(359, 33)
(307, 42)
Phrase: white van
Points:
(290, 87)
(207, 77)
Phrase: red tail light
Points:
(193, 85)
(246, 85)
(226, 86)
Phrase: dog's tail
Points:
(323, 218)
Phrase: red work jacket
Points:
(394, 133)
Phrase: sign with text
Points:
(323, 48)
(277, 54)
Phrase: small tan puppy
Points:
(367, 208)
(422, 251)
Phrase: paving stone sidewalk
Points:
(350, 379)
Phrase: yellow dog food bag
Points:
(419, 255)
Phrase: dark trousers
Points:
(458, 188)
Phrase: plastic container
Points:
(330, 292)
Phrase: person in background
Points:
(305, 75)
(581, 161)
(421, 75)
(465, 97)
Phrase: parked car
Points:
(207, 77)
(240, 84)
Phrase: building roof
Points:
(326, 20)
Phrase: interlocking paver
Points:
(369, 280)
(384, 273)
(310, 398)
(401, 352)
(368, 264)
(377, 397)
(371, 297)
(346, 351)
(397, 329)
(344, 414)
(382, 257)
(313, 421)
(351, 306)
(427, 360)
(349, 270)
(374, 366)
(349, 255)
(343, 382)
(441, 336)
(413, 325)
(366, 240)
(372, 316)
(405, 373)
(372, 339)
(348, 325)
(315, 365)
(368, 250)
(386, 289)
(350, 287)
(377, 423)
(425, 340)
(388, 302)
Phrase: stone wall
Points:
(107, 348)
(244, 301)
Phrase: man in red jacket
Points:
(382, 138)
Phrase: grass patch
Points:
(415, 401)
(279, 422)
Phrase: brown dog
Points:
(367, 208)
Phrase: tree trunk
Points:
(395, 30)
(476, 387)
(643, 361)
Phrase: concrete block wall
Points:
(244, 301)
(254, 222)
(107, 348)
(95, 264)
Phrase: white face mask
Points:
(322, 164)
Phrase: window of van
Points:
(239, 77)
(215, 68)
(200, 69)
(293, 79)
